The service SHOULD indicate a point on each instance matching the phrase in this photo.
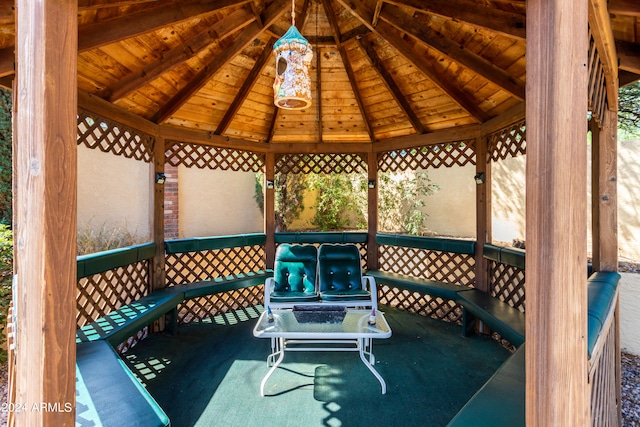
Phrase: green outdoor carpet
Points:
(210, 373)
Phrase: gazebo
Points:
(394, 85)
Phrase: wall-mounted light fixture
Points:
(479, 178)
(270, 184)
(372, 183)
(160, 178)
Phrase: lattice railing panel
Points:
(321, 163)
(447, 154)
(604, 379)
(208, 157)
(102, 293)
(188, 267)
(110, 137)
(428, 264)
(507, 283)
(508, 142)
(422, 304)
(199, 309)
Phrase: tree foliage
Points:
(289, 197)
(337, 201)
(629, 110)
(5, 157)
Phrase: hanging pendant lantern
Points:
(292, 85)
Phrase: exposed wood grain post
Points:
(605, 193)
(269, 210)
(483, 214)
(372, 211)
(557, 392)
(46, 52)
(157, 220)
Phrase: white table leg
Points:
(280, 350)
(370, 363)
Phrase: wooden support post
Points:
(157, 220)
(46, 227)
(372, 210)
(269, 210)
(605, 193)
(557, 390)
(483, 214)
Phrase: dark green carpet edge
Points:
(209, 374)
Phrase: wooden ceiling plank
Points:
(507, 23)
(176, 56)
(624, 7)
(629, 56)
(356, 91)
(392, 86)
(244, 38)
(333, 21)
(246, 87)
(7, 61)
(405, 23)
(101, 4)
(386, 31)
(130, 25)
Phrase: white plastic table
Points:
(354, 333)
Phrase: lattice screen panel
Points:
(418, 303)
(208, 157)
(191, 267)
(597, 90)
(102, 293)
(110, 137)
(507, 283)
(199, 309)
(447, 154)
(508, 142)
(427, 264)
(321, 163)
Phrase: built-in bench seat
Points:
(223, 284)
(509, 322)
(414, 284)
(107, 392)
(124, 322)
(501, 400)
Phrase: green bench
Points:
(107, 392)
(501, 400)
(414, 284)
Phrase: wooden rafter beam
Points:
(301, 17)
(248, 84)
(393, 88)
(243, 39)
(356, 91)
(333, 21)
(626, 77)
(232, 23)
(600, 25)
(130, 25)
(7, 61)
(629, 56)
(386, 31)
(405, 23)
(624, 7)
(507, 23)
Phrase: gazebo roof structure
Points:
(381, 70)
(386, 75)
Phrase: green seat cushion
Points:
(347, 295)
(294, 297)
(295, 270)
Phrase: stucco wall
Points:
(113, 192)
(217, 203)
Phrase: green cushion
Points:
(292, 296)
(339, 268)
(107, 393)
(347, 295)
(295, 270)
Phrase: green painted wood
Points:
(431, 243)
(414, 284)
(213, 243)
(319, 237)
(601, 291)
(510, 256)
(100, 262)
(108, 394)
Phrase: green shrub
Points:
(6, 273)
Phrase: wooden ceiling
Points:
(381, 69)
